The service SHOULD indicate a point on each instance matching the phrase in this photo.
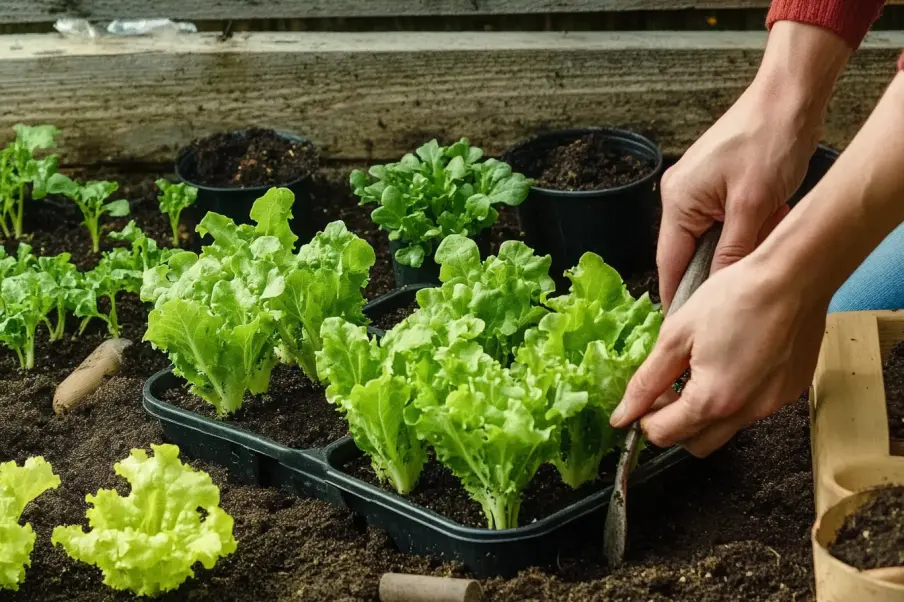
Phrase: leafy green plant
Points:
(436, 192)
(596, 338)
(148, 541)
(492, 375)
(91, 199)
(18, 168)
(25, 302)
(212, 313)
(14, 265)
(119, 270)
(19, 485)
(66, 278)
(324, 279)
(175, 199)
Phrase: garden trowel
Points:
(616, 530)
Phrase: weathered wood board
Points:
(42, 11)
(378, 95)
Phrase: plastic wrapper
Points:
(82, 28)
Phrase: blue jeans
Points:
(879, 281)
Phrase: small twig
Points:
(226, 34)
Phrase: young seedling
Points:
(91, 200)
(66, 278)
(25, 301)
(18, 167)
(175, 198)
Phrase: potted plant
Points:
(596, 190)
(433, 193)
(233, 169)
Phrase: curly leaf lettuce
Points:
(175, 198)
(325, 279)
(436, 192)
(213, 314)
(372, 400)
(19, 485)
(148, 541)
(595, 340)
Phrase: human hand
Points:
(751, 338)
(744, 169)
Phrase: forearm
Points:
(798, 73)
(850, 211)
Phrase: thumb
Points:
(740, 233)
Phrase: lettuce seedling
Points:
(19, 167)
(175, 199)
(325, 279)
(213, 313)
(596, 338)
(15, 265)
(25, 302)
(19, 485)
(148, 541)
(436, 192)
(91, 200)
(66, 277)
(372, 400)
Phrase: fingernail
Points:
(617, 415)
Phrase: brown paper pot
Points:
(839, 582)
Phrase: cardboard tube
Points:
(104, 361)
(399, 587)
(839, 582)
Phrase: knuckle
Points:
(731, 252)
(656, 435)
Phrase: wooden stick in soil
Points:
(616, 530)
(400, 587)
(103, 362)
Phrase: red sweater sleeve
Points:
(850, 19)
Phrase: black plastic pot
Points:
(484, 552)
(428, 273)
(388, 303)
(820, 163)
(618, 224)
(236, 203)
(253, 459)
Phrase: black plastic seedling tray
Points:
(484, 552)
(252, 458)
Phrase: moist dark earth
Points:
(588, 163)
(254, 157)
(732, 527)
(873, 536)
(893, 374)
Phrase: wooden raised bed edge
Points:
(852, 449)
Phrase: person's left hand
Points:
(751, 337)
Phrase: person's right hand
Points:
(746, 167)
(741, 172)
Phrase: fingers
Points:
(679, 421)
(665, 364)
(771, 222)
(674, 252)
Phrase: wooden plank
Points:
(42, 11)
(376, 96)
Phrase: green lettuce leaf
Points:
(175, 198)
(19, 485)
(436, 192)
(148, 541)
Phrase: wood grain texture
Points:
(376, 96)
(39, 11)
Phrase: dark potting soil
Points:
(294, 411)
(254, 157)
(732, 527)
(873, 536)
(893, 374)
(588, 163)
(396, 316)
(439, 490)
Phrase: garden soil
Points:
(873, 536)
(893, 375)
(732, 527)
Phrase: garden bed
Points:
(735, 527)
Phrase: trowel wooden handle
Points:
(104, 361)
(399, 587)
(698, 269)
